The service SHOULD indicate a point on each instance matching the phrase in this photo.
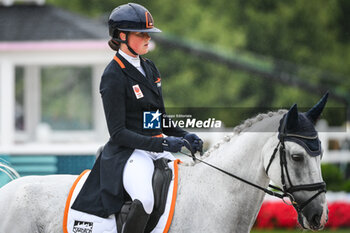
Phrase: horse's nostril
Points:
(316, 219)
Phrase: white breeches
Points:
(138, 173)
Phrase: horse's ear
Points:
(292, 117)
(314, 113)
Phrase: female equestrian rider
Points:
(130, 88)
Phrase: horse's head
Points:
(298, 169)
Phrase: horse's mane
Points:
(246, 125)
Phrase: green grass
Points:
(299, 231)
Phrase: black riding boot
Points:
(137, 219)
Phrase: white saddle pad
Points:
(79, 222)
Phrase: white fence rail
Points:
(335, 143)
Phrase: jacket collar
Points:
(135, 61)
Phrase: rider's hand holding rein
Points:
(172, 144)
(190, 140)
(195, 143)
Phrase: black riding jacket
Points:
(126, 95)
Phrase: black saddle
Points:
(162, 177)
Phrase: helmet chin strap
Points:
(132, 51)
(126, 42)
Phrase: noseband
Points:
(288, 192)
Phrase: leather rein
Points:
(283, 192)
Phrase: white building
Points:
(35, 38)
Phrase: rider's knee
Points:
(147, 203)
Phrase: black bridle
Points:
(284, 192)
(288, 192)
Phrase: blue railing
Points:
(46, 165)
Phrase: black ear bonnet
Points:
(303, 134)
(300, 127)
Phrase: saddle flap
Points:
(162, 177)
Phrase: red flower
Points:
(339, 215)
(280, 215)
(276, 214)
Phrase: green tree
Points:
(312, 33)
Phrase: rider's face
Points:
(138, 41)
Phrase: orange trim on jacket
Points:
(121, 64)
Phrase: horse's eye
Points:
(298, 157)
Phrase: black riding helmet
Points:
(127, 18)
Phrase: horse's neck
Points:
(231, 204)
